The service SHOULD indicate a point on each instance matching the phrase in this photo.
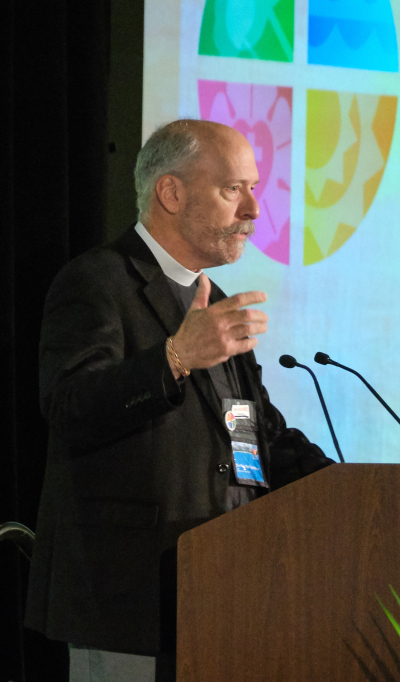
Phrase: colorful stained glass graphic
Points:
(263, 114)
(359, 34)
(348, 142)
(255, 29)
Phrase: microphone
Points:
(324, 359)
(289, 361)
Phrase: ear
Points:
(170, 191)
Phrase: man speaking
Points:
(158, 418)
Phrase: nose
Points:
(250, 209)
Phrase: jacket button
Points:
(223, 468)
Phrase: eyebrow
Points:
(238, 182)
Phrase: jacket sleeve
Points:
(91, 390)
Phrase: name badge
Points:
(240, 417)
(241, 411)
(247, 464)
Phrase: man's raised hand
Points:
(211, 334)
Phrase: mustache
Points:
(246, 227)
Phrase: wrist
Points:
(177, 368)
(177, 375)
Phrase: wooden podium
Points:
(284, 588)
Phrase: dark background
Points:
(70, 123)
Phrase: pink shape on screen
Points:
(263, 114)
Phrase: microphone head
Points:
(288, 361)
(322, 358)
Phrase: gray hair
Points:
(170, 149)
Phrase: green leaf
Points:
(396, 596)
(389, 615)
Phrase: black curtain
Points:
(53, 163)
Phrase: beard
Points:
(214, 245)
(231, 249)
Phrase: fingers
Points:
(246, 330)
(202, 294)
(235, 302)
(210, 334)
(241, 320)
(245, 345)
(247, 315)
(241, 300)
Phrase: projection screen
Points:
(314, 88)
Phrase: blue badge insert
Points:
(247, 463)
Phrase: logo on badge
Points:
(230, 421)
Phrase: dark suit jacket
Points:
(133, 458)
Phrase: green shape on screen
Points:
(256, 29)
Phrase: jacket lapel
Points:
(163, 302)
(155, 284)
(250, 373)
(201, 376)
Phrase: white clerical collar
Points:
(170, 267)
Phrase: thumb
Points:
(202, 293)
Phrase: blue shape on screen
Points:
(359, 34)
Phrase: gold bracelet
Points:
(175, 359)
